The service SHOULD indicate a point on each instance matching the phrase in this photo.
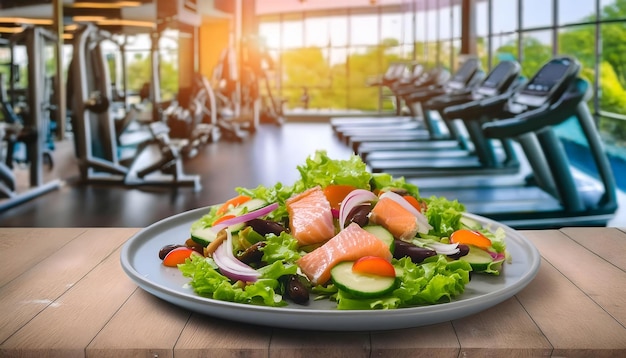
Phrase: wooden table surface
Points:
(63, 294)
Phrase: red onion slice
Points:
(245, 217)
(353, 199)
(423, 226)
(229, 265)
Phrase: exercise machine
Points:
(237, 102)
(474, 153)
(556, 194)
(463, 81)
(434, 78)
(157, 161)
(32, 128)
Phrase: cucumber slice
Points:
(358, 285)
(470, 223)
(479, 259)
(382, 234)
(204, 235)
(248, 206)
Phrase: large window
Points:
(334, 50)
(329, 56)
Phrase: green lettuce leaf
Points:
(280, 248)
(206, 281)
(384, 181)
(278, 193)
(436, 280)
(206, 220)
(321, 170)
(347, 302)
(444, 215)
(277, 270)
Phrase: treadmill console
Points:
(547, 81)
(498, 77)
(464, 74)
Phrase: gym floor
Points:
(269, 155)
(266, 157)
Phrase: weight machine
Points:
(32, 126)
(157, 161)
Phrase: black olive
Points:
(265, 227)
(166, 250)
(252, 254)
(296, 290)
(415, 253)
(463, 250)
(359, 215)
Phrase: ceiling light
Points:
(120, 22)
(88, 18)
(104, 5)
(11, 30)
(24, 20)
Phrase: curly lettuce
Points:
(443, 215)
(322, 170)
(436, 280)
(206, 281)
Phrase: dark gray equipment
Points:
(34, 125)
(462, 82)
(432, 79)
(156, 162)
(557, 194)
(474, 153)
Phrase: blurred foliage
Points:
(139, 69)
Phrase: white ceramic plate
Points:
(139, 259)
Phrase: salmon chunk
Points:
(392, 216)
(310, 217)
(350, 244)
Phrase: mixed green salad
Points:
(340, 233)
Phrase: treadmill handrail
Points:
(535, 119)
(483, 86)
(475, 109)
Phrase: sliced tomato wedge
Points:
(470, 237)
(177, 256)
(234, 202)
(414, 202)
(223, 218)
(374, 265)
(335, 193)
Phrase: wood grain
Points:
(571, 321)
(436, 341)
(304, 344)
(610, 243)
(39, 287)
(76, 317)
(599, 279)
(69, 297)
(144, 326)
(21, 249)
(505, 329)
(205, 336)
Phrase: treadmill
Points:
(432, 79)
(498, 86)
(463, 81)
(556, 195)
(473, 153)
(396, 76)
